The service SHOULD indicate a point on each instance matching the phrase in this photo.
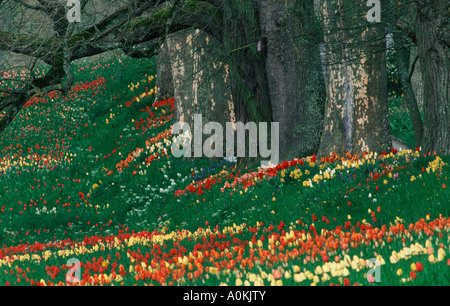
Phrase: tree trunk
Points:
(356, 113)
(249, 86)
(403, 63)
(191, 70)
(223, 82)
(433, 40)
(294, 74)
(416, 77)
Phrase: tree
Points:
(403, 59)
(127, 26)
(356, 115)
(191, 70)
(270, 50)
(406, 61)
(294, 73)
(422, 28)
(256, 76)
(432, 37)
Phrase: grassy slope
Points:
(88, 135)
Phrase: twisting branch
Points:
(138, 22)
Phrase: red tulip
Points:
(419, 266)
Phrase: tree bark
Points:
(416, 77)
(294, 74)
(356, 113)
(433, 41)
(191, 70)
(249, 86)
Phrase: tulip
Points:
(299, 277)
(441, 254)
(419, 266)
(432, 259)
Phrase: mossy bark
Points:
(294, 74)
(433, 40)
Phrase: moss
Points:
(159, 16)
(191, 5)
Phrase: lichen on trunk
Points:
(356, 114)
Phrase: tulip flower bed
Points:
(90, 178)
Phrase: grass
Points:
(90, 177)
(401, 125)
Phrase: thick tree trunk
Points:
(224, 82)
(282, 81)
(433, 40)
(191, 70)
(249, 85)
(356, 113)
(294, 73)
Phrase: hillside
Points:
(91, 177)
